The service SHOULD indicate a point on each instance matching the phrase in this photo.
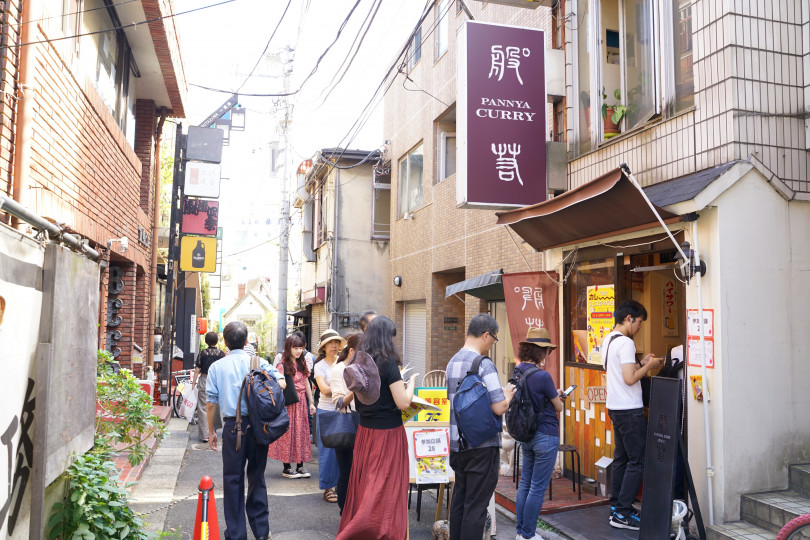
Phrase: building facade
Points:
(84, 101)
(709, 101)
(344, 198)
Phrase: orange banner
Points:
(532, 302)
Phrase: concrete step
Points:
(799, 476)
(772, 510)
(738, 530)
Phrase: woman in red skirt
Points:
(294, 446)
(376, 503)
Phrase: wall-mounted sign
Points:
(200, 216)
(198, 254)
(501, 145)
(600, 306)
(202, 179)
(694, 352)
(450, 320)
(596, 394)
(693, 323)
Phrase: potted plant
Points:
(612, 114)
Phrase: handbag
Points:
(189, 404)
(338, 429)
(290, 394)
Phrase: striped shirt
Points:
(457, 369)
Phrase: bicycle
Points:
(796, 529)
(182, 380)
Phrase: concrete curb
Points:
(154, 492)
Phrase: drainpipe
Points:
(707, 434)
(25, 107)
(335, 248)
(155, 221)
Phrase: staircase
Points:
(763, 514)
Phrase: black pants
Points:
(344, 461)
(476, 477)
(630, 436)
(254, 456)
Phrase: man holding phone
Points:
(626, 409)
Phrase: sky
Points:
(222, 44)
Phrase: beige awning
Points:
(606, 206)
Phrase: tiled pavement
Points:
(128, 473)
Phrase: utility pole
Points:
(284, 240)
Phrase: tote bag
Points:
(338, 429)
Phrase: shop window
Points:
(107, 58)
(410, 181)
(624, 71)
(381, 212)
(587, 296)
(442, 27)
(415, 49)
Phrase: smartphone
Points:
(568, 391)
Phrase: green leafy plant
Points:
(619, 110)
(94, 506)
(124, 419)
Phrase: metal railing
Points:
(12, 207)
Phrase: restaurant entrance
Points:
(601, 277)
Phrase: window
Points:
(558, 121)
(442, 27)
(447, 156)
(410, 181)
(558, 25)
(622, 65)
(318, 218)
(107, 58)
(381, 211)
(415, 49)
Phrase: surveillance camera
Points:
(124, 244)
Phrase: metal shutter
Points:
(414, 327)
(320, 322)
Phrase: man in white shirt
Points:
(626, 410)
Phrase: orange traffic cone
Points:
(206, 526)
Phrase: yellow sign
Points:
(198, 254)
(600, 319)
(437, 397)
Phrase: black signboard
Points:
(663, 432)
(205, 144)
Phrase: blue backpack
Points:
(474, 417)
(266, 408)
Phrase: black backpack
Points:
(521, 418)
(266, 408)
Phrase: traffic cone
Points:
(206, 526)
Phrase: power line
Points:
(267, 46)
(131, 25)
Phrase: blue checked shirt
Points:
(457, 369)
(225, 380)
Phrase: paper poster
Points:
(693, 323)
(431, 448)
(670, 309)
(438, 397)
(601, 303)
(694, 353)
(696, 382)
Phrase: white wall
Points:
(755, 246)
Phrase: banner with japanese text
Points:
(532, 302)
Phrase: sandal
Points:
(330, 496)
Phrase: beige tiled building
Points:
(715, 129)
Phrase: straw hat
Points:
(331, 335)
(539, 337)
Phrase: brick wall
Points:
(86, 175)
